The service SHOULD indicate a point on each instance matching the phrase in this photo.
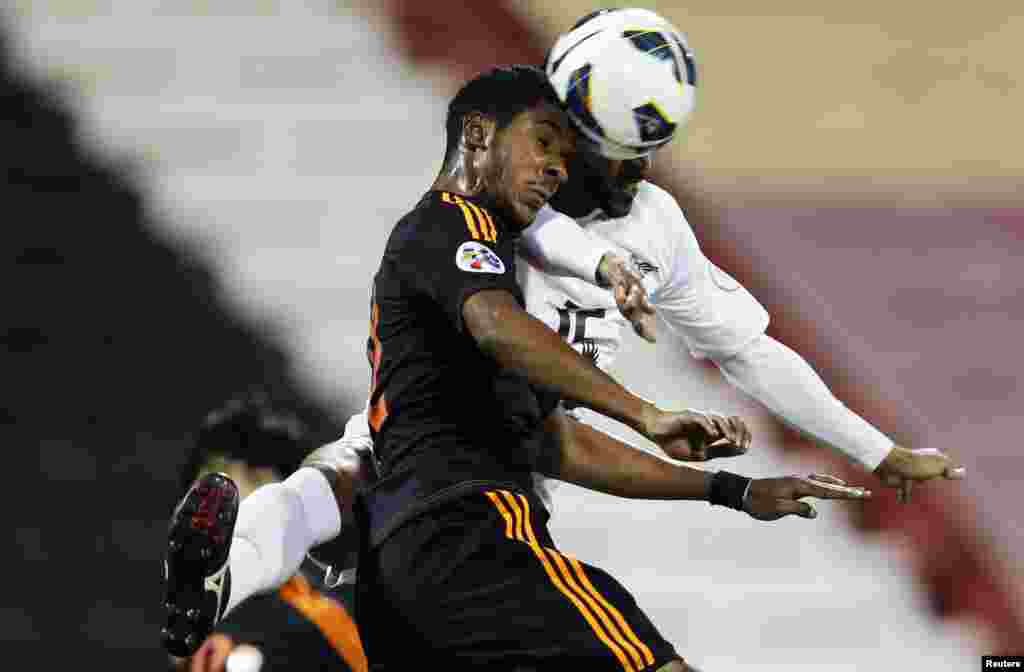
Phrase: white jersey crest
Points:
(713, 313)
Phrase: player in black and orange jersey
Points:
(244, 445)
(458, 568)
(457, 563)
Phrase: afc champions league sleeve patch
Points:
(474, 257)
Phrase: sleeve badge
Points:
(474, 257)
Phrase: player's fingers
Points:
(747, 437)
(685, 450)
(903, 493)
(891, 480)
(703, 420)
(724, 448)
(788, 507)
(824, 477)
(636, 302)
(931, 463)
(806, 487)
(740, 432)
(731, 442)
(721, 425)
(620, 296)
(643, 302)
(940, 462)
(629, 297)
(644, 327)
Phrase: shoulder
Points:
(671, 242)
(671, 237)
(440, 221)
(662, 207)
(430, 218)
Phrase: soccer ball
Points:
(627, 79)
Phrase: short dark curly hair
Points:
(500, 93)
(252, 429)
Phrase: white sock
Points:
(277, 525)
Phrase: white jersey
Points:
(712, 312)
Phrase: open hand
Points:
(773, 498)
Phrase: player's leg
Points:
(210, 570)
(479, 584)
(196, 576)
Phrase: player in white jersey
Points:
(718, 319)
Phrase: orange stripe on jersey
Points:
(329, 617)
(503, 511)
(616, 614)
(522, 516)
(490, 223)
(601, 613)
(486, 223)
(567, 575)
(473, 215)
(378, 409)
(470, 221)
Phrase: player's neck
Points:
(459, 176)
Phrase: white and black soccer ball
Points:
(627, 78)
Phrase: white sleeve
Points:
(713, 313)
(786, 384)
(557, 245)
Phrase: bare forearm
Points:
(523, 344)
(594, 460)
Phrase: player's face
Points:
(530, 161)
(613, 184)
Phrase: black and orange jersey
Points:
(445, 419)
(299, 627)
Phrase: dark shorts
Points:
(479, 583)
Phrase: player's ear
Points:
(477, 131)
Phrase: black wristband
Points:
(729, 490)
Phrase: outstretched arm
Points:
(721, 320)
(577, 453)
(787, 385)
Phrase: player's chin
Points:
(523, 215)
(620, 202)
